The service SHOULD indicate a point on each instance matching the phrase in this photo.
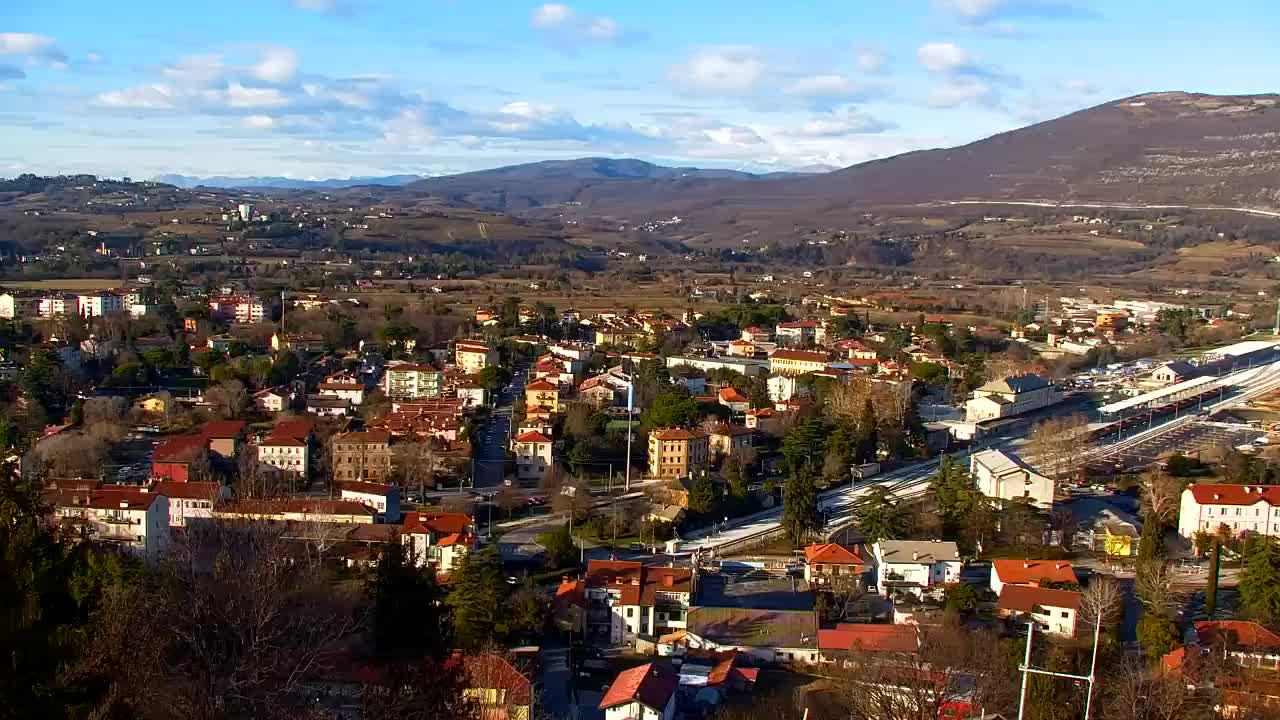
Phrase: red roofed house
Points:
(498, 689)
(438, 539)
(646, 692)
(135, 520)
(755, 334)
(742, 348)
(628, 600)
(569, 605)
(1053, 611)
(828, 562)
(835, 645)
(1208, 506)
(383, 498)
(677, 452)
(533, 456)
(223, 437)
(1241, 642)
(542, 393)
(1029, 572)
(174, 458)
(190, 499)
(796, 362)
(734, 400)
(728, 440)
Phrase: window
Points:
(631, 612)
(1066, 614)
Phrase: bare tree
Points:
(413, 463)
(1102, 598)
(227, 399)
(1154, 587)
(1134, 691)
(1057, 445)
(1161, 496)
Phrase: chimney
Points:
(668, 581)
(1247, 489)
(124, 504)
(915, 556)
(1026, 565)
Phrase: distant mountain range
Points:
(284, 183)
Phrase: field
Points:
(64, 284)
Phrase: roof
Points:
(1031, 572)
(872, 638)
(439, 523)
(281, 441)
(572, 592)
(1236, 633)
(303, 506)
(800, 355)
(659, 579)
(831, 553)
(651, 685)
(188, 490)
(492, 671)
(103, 498)
(223, 429)
(921, 551)
(365, 488)
(799, 324)
(679, 434)
(1001, 463)
(1223, 494)
(1022, 598)
(1015, 384)
(340, 386)
(1181, 368)
(368, 437)
(541, 385)
(732, 430)
(747, 627)
(622, 575)
(732, 395)
(532, 437)
(181, 449)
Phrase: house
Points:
(471, 394)
(16, 307)
(383, 498)
(1241, 508)
(134, 520)
(270, 400)
(766, 635)
(1053, 611)
(472, 356)
(645, 692)
(541, 393)
(300, 509)
(839, 644)
(327, 406)
(351, 392)
(1004, 476)
(1174, 372)
(726, 439)
(755, 334)
(677, 452)
(741, 348)
(190, 500)
(58, 306)
(174, 459)
(298, 342)
(765, 420)
(1010, 396)
(1030, 573)
(628, 601)
(361, 456)
(438, 539)
(1120, 539)
(796, 362)
(497, 688)
(223, 437)
(533, 456)
(1240, 642)
(99, 304)
(409, 381)
(287, 453)
(803, 332)
(734, 400)
(830, 564)
(915, 566)
(219, 343)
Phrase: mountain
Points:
(283, 183)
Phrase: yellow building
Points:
(473, 356)
(1119, 540)
(542, 393)
(796, 362)
(677, 452)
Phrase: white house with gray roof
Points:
(914, 566)
(1013, 395)
(1006, 477)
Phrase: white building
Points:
(288, 454)
(627, 600)
(99, 304)
(1004, 476)
(533, 456)
(645, 692)
(135, 519)
(407, 381)
(1014, 395)
(472, 356)
(438, 539)
(913, 566)
(269, 400)
(58, 306)
(383, 498)
(1242, 508)
(1053, 611)
(14, 307)
(245, 211)
(190, 500)
(352, 392)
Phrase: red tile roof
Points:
(1022, 598)
(188, 490)
(281, 441)
(491, 671)
(220, 429)
(680, 434)
(1223, 494)
(532, 437)
(1031, 572)
(801, 355)
(798, 324)
(365, 488)
(1236, 633)
(572, 592)
(181, 449)
(540, 386)
(103, 499)
(871, 638)
(372, 437)
(732, 395)
(439, 523)
(651, 685)
(832, 553)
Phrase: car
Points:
(636, 546)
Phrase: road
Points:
(495, 437)
(1110, 206)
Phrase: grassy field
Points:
(65, 284)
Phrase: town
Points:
(826, 504)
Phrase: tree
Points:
(734, 478)
(1211, 588)
(703, 497)
(1104, 598)
(961, 598)
(1134, 692)
(1157, 634)
(878, 515)
(528, 610)
(671, 408)
(476, 601)
(868, 440)
(559, 546)
(758, 391)
(800, 516)
(407, 619)
(413, 464)
(1058, 445)
(954, 493)
(1259, 584)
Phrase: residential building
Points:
(16, 307)
(1174, 372)
(1241, 508)
(644, 692)
(310, 510)
(190, 500)
(99, 304)
(914, 567)
(223, 437)
(1004, 476)
(58, 306)
(472, 356)
(135, 520)
(409, 381)
(541, 393)
(766, 635)
(352, 392)
(1120, 539)
(747, 366)
(287, 453)
(1053, 611)
(361, 456)
(726, 440)
(438, 539)
(471, 394)
(734, 400)
(1010, 396)
(802, 332)
(741, 348)
(842, 643)
(326, 406)
(755, 334)
(241, 309)
(270, 400)
(765, 420)
(627, 600)
(299, 342)
(381, 497)
(828, 564)
(175, 458)
(1030, 573)
(497, 688)
(796, 362)
(533, 456)
(677, 452)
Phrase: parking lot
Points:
(1188, 439)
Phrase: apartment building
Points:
(472, 356)
(628, 600)
(677, 452)
(533, 456)
(913, 567)
(135, 520)
(438, 539)
(379, 497)
(408, 381)
(362, 456)
(796, 362)
(99, 304)
(1241, 508)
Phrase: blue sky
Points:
(336, 88)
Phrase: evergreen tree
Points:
(702, 496)
(800, 516)
(1260, 582)
(735, 478)
(1211, 590)
(758, 391)
(878, 516)
(1157, 634)
(559, 547)
(868, 443)
(407, 619)
(954, 494)
(476, 601)
(804, 444)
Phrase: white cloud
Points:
(943, 57)
(821, 85)
(956, 91)
(733, 135)
(328, 7)
(239, 96)
(529, 110)
(721, 70)
(276, 65)
(603, 28)
(845, 121)
(969, 9)
(562, 26)
(195, 69)
(34, 47)
(553, 15)
(257, 122)
(869, 59)
(407, 128)
(93, 58)
(155, 96)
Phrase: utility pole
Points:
(631, 394)
(1276, 331)
(1026, 669)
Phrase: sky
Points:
(342, 88)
